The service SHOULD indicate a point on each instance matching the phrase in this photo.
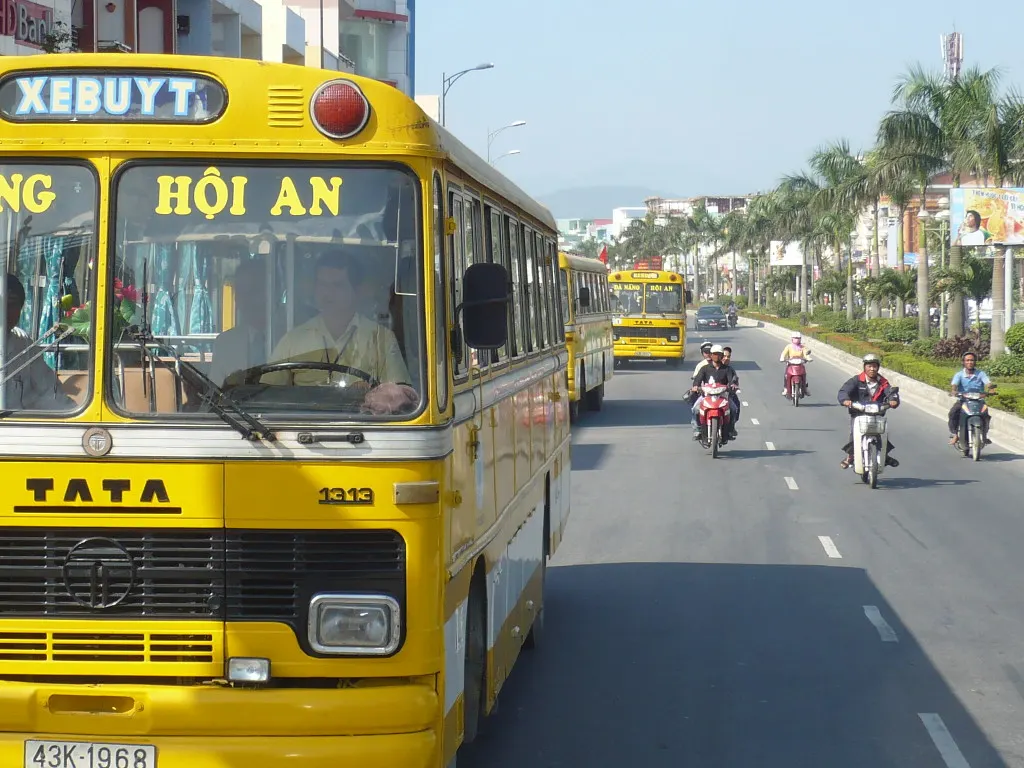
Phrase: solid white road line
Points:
(755, 422)
(792, 484)
(885, 632)
(770, 446)
(951, 754)
(830, 547)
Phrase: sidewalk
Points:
(1007, 430)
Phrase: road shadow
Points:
(638, 413)
(587, 457)
(999, 457)
(896, 483)
(663, 665)
(745, 365)
(764, 453)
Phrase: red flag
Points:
(603, 255)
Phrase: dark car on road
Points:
(711, 316)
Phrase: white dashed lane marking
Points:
(830, 548)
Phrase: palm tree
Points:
(927, 133)
(991, 131)
(973, 278)
(899, 286)
(833, 285)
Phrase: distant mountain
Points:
(596, 202)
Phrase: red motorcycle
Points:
(796, 379)
(714, 417)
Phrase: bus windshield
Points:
(665, 298)
(294, 288)
(628, 297)
(47, 227)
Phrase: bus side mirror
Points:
(584, 297)
(485, 306)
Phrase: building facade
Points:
(373, 38)
(28, 27)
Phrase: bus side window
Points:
(518, 297)
(544, 329)
(456, 269)
(441, 315)
(530, 288)
(474, 254)
(498, 255)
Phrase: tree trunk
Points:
(876, 265)
(924, 320)
(999, 307)
(901, 308)
(750, 279)
(849, 286)
(955, 306)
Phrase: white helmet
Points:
(717, 348)
(796, 335)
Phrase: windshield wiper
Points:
(220, 402)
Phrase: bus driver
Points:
(338, 334)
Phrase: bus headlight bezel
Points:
(327, 606)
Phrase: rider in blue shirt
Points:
(970, 379)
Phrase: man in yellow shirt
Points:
(338, 335)
(795, 348)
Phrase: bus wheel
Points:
(475, 690)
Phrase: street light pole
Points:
(510, 152)
(490, 136)
(448, 82)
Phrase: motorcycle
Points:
(869, 434)
(714, 417)
(796, 379)
(972, 429)
(732, 319)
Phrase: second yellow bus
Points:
(650, 316)
(587, 309)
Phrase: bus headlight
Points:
(674, 337)
(354, 625)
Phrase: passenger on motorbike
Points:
(716, 372)
(733, 397)
(970, 379)
(732, 309)
(705, 350)
(796, 348)
(867, 387)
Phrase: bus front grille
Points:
(234, 575)
(107, 647)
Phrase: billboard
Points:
(986, 216)
(785, 254)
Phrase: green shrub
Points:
(924, 371)
(843, 325)
(1015, 338)
(922, 347)
(1005, 365)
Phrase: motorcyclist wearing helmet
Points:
(867, 387)
(795, 348)
(970, 379)
(719, 373)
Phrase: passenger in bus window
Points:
(340, 336)
(244, 346)
(29, 383)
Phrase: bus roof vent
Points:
(286, 106)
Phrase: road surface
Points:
(766, 608)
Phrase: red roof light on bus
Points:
(339, 109)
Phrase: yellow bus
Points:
(586, 307)
(284, 434)
(650, 316)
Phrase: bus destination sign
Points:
(644, 275)
(110, 97)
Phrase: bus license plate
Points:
(85, 754)
(643, 353)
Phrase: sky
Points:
(714, 98)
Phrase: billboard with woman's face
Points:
(986, 216)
